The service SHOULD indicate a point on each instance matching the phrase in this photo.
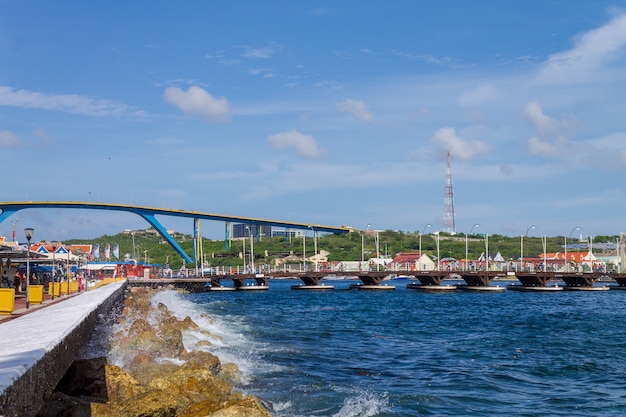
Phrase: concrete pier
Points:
(37, 348)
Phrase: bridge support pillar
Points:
(480, 280)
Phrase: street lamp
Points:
(570, 235)
(486, 251)
(521, 256)
(68, 249)
(133, 235)
(590, 253)
(420, 260)
(14, 223)
(437, 234)
(377, 244)
(29, 234)
(243, 251)
(466, 254)
(617, 256)
(363, 246)
(251, 250)
(54, 244)
(304, 250)
(314, 245)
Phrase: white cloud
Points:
(460, 148)
(555, 147)
(536, 117)
(592, 51)
(357, 108)
(199, 102)
(8, 140)
(553, 140)
(550, 140)
(262, 53)
(68, 103)
(305, 145)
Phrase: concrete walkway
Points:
(40, 343)
(20, 305)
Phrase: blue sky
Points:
(328, 112)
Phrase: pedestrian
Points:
(5, 280)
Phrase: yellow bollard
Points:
(73, 286)
(35, 294)
(65, 287)
(57, 289)
(7, 300)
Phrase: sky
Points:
(322, 112)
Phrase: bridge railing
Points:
(353, 268)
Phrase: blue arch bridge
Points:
(149, 214)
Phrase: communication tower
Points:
(448, 211)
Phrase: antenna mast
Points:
(448, 214)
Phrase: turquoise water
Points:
(408, 353)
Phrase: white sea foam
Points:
(225, 334)
(363, 404)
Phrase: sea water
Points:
(404, 352)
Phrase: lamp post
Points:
(304, 250)
(466, 253)
(363, 246)
(133, 235)
(54, 244)
(377, 244)
(420, 260)
(437, 234)
(617, 256)
(314, 245)
(251, 251)
(29, 234)
(243, 251)
(486, 251)
(545, 241)
(521, 256)
(569, 236)
(67, 269)
(14, 223)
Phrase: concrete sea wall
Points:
(37, 349)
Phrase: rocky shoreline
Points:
(154, 375)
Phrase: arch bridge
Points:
(149, 214)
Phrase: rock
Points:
(203, 359)
(244, 406)
(247, 407)
(85, 379)
(188, 324)
(203, 343)
(61, 405)
(230, 372)
(153, 403)
(144, 368)
(121, 386)
(149, 380)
